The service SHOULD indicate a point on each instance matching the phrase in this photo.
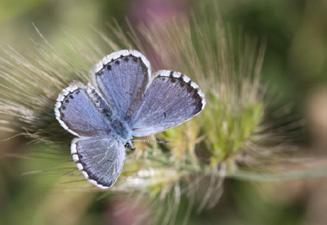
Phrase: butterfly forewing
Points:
(171, 99)
(122, 78)
(81, 111)
(99, 158)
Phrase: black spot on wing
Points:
(118, 61)
(193, 92)
(65, 101)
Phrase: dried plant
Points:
(188, 161)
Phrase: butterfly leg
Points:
(129, 146)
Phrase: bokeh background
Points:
(295, 69)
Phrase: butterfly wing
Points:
(122, 78)
(171, 99)
(82, 112)
(99, 158)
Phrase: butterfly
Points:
(123, 101)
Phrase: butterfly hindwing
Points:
(122, 78)
(171, 99)
(81, 111)
(99, 158)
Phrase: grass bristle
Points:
(198, 154)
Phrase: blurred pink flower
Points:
(144, 11)
(125, 211)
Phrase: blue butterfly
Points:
(123, 102)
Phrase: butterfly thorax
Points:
(121, 128)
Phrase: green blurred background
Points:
(295, 68)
